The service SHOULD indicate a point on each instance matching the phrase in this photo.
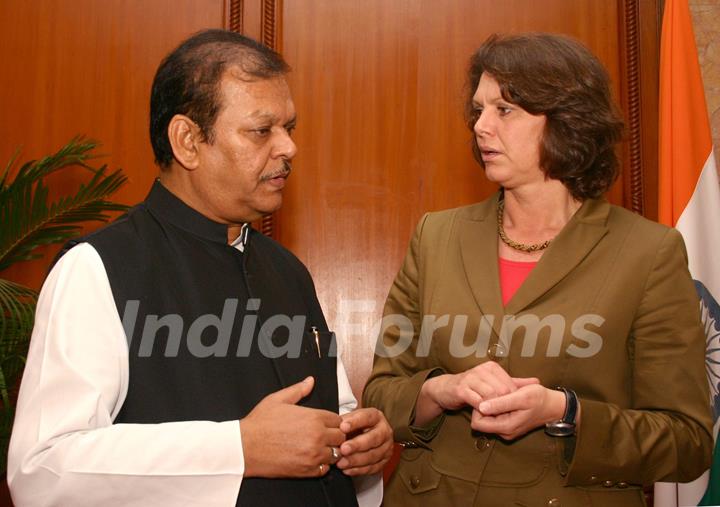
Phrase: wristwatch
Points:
(565, 427)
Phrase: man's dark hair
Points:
(188, 82)
(560, 78)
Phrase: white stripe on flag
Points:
(699, 224)
(671, 494)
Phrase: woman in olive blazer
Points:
(609, 313)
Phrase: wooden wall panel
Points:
(85, 67)
(379, 90)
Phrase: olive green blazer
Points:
(609, 311)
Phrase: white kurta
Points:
(65, 449)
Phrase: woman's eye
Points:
(504, 110)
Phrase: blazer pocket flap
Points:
(458, 451)
(415, 472)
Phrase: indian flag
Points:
(690, 201)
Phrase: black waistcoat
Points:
(184, 295)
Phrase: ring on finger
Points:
(335, 454)
(322, 469)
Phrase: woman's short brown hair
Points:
(558, 77)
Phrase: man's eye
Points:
(262, 132)
(290, 129)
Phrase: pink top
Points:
(512, 276)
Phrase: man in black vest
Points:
(155, 335)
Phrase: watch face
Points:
(560, 429)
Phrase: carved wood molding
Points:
(270, 23)
(234, 15)
(632, 98)
(270, 36)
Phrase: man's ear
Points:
(184, 136)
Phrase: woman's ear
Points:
(184, 136)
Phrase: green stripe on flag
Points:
(712, 495)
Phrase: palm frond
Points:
(17, 311)
(29, 220)
(10, 164)
(75, 153)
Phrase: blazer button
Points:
(622, 485)
(482, 443)
(496, 351)
(608, 484)
(554, 502)
(414, 481)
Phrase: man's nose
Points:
(286, 147)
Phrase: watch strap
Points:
(565, 427)
(571, 405)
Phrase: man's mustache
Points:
(284, 172)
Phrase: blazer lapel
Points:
(478, 248)
(584, 230)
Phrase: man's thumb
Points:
(294, 393)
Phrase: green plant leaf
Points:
(17, 311)
(27, 218)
